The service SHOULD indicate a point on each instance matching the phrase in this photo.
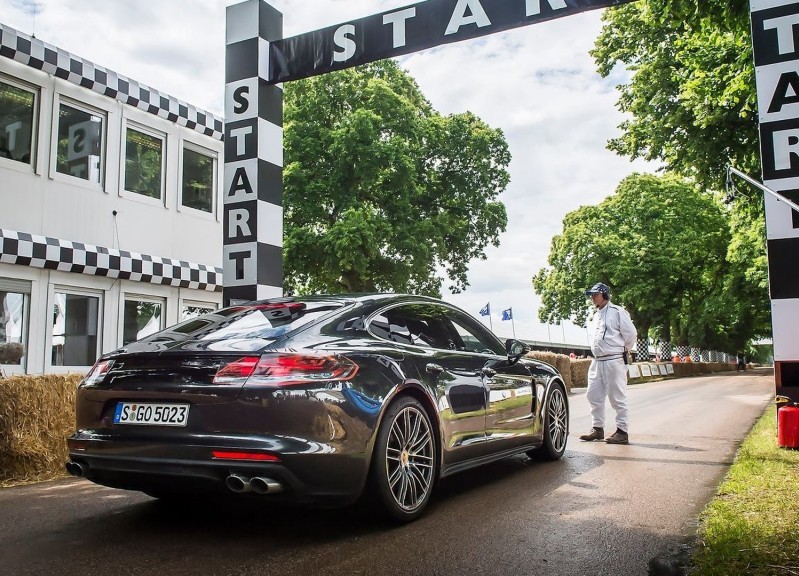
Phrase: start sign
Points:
(410, 29)
(258, 60)
(775, 37)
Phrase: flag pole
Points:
(490, 322)
(513, 324)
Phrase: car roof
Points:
(360, 298)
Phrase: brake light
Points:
(236, 372)
(287, 368)
(257, 456)
(282, 369)
(97, 373)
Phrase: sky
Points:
(538, 84)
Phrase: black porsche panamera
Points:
(314, 399)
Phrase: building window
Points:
(76, 327)
(14, 302)
(198, 180)
(141, 318)
(80, 143)
(16, 122)
(193, 309)
(144, 164)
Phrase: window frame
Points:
(187, 302)
(139, 297)
(104, 115)
(186, 144)
(36, 90)
(128, 124)
(22, 367)
(51, 300)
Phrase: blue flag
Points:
(486, 310)
(507, 314)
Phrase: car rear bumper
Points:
(306, 471)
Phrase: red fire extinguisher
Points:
(787, 423)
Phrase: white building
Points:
(110, 209)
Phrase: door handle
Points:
(434, 369)
(489, 372)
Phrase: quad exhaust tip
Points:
(76, 469)
(260, 485)
(238, 484)
(265, 485)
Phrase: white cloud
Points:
(537, 83)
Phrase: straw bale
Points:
(37, 413)
(560, 361)
(579, 370)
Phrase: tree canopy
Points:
(381, 192)
(691, 103)
(691, 99)
(658, 242)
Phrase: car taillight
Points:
(287, 368)
(236, 372)
(97, 373)
(284, 368)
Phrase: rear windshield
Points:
(254, 321)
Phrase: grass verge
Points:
(751, 525)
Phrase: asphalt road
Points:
(602, 510)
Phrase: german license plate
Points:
(151, 414)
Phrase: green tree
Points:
(690, 100)
(381, 192)
(691, 103)
(658, 242)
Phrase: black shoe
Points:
(594, 434)
(618, 437)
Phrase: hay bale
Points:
(579, 371)
(37, 413)
(560, 361)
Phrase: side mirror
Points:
(516, 348)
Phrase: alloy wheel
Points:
(557, 419)
(409, 458)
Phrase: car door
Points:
(509, 386)
(455, 377)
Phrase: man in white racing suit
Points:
(612, 335)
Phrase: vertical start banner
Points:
(775, 37)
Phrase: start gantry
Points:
(410, 29)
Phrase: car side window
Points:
(475, 338)
(422, 325)
(391, 327)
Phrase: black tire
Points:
(556, 426)
(405, 464)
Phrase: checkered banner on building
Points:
(409, 29)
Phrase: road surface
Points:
(601, 510)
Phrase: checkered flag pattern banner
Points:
(42, 56)
(54, 254)
(642, 346)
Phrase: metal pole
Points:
(756, 184)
